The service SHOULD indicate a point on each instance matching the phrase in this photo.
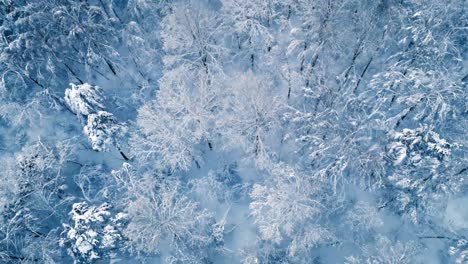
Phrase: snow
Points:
(456, 214)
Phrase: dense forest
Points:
(234, 131)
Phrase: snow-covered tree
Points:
(84, 99)
(42, 42)
(386, 251)
(251, 116)
(420, 159)
(179, 119)
(94, 233)
(249, 22)
(101, 128)
(103, 131)
(363, 217)
(32, 191)
(191, 34)
(165, 222)
(287, 209)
